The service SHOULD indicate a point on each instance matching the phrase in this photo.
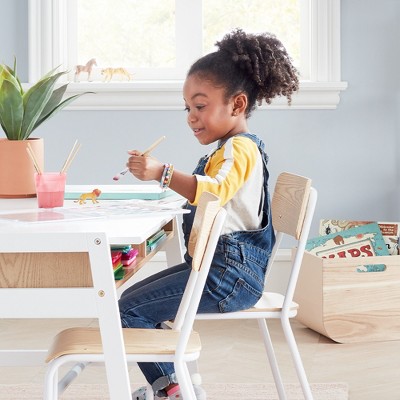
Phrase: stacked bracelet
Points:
(166, 176)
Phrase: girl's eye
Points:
(199, 107)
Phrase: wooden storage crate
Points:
(346, 305)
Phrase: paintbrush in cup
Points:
(71, 156)
(33, 158)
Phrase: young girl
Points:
(220, 92)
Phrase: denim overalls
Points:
(240, 261)
(235, 281)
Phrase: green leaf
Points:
(22, 112)
(11, 110)
(50, 73)
(54, 100)
(59, 108)
(7, 74)
(35, 99)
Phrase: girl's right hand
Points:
(145, 168)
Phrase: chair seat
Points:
(271, 301)
(137, 341)
(269, 306)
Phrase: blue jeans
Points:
(235, 282)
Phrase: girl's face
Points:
(210, 117)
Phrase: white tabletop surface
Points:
(114, 217)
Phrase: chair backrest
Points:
(292, 207)
(289, 203)
(207, 226)
(206, 211)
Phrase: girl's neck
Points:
(227, 137)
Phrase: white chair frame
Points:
(293, 204)
(179, 345)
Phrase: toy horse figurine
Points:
(85, 68)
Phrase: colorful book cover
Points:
(115, 257)
(119, 272)
(360, 241)
(121, 247)
(390, 231)
(155, 237)
(153, 244)
(129, 257)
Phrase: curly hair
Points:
(255, 64)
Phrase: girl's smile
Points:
(210, 116)
(197, 131)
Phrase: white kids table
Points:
(57, 264)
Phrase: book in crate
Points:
(390, 231)
(360, 241)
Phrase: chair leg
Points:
(185, 383)
(72, 374)
(51, 382)
(298, 363)
(193, 367)
(272, 359)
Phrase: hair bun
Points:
(257, 65)
(265, 60)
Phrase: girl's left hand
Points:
(145, 168)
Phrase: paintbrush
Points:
(33, 158)
(71, 156)
(145, 153)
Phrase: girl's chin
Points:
(202, 140)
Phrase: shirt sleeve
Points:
(228, 169)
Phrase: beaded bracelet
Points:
(166, 176)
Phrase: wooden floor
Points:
(233, 352)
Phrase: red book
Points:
(116, 258)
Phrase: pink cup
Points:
(50, 188)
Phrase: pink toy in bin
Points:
(129, 257)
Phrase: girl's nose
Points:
(191, 116)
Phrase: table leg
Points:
(109, 319)
(174, 247)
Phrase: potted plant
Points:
(21, 112)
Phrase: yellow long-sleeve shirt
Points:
(235, 174)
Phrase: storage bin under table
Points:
(346, 305)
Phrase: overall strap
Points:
(199, 170)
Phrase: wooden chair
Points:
(293, 204)
(178, 345)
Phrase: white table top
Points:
(121, 223)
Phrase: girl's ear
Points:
(239, 104)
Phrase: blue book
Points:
(361, 241)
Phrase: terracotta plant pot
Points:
(17, 169)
